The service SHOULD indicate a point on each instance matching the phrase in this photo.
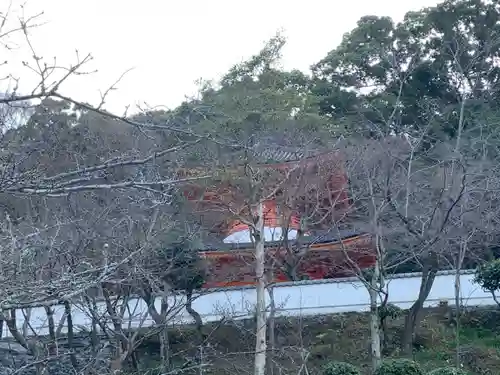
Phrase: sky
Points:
(170, 44)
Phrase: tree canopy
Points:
(90, 200)
(431, 79)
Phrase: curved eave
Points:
(306, 161)
(247, 249)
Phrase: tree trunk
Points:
(458, 268)
(196, 316)
(94, 335)
(52, 331)
(260, 336)
(14, 331)
(272, 333)
(123, 346)
(71, 335)
(165, 350)
(160, 319)
(457, 318)
(375, 319)
(26, 324)
(412, 318)
(383, 336)
(383, 323)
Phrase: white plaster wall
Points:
(306, 298)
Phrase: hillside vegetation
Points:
(94, 205)
(311, 343)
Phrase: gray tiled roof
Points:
(275, 153)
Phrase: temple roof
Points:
(280, 154)
(214, 243)
(259, 156)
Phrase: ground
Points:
(345, 337)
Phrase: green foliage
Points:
(186, 272)
(257, 101)
(179, 262)
(384, 77)
(416, 69)
(448, 371)
(339, 368)
(488, 276)
(390, 311)
(399, 367)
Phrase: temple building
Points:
(305, 207)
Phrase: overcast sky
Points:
(171, 43)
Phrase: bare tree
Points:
(49, 233)
(401, 197)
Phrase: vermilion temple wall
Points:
(232, 268)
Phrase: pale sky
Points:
(170, 44)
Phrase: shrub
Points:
(390, 311)
(399, 367)
(448, 371)
(339, 368)
(488, 276)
